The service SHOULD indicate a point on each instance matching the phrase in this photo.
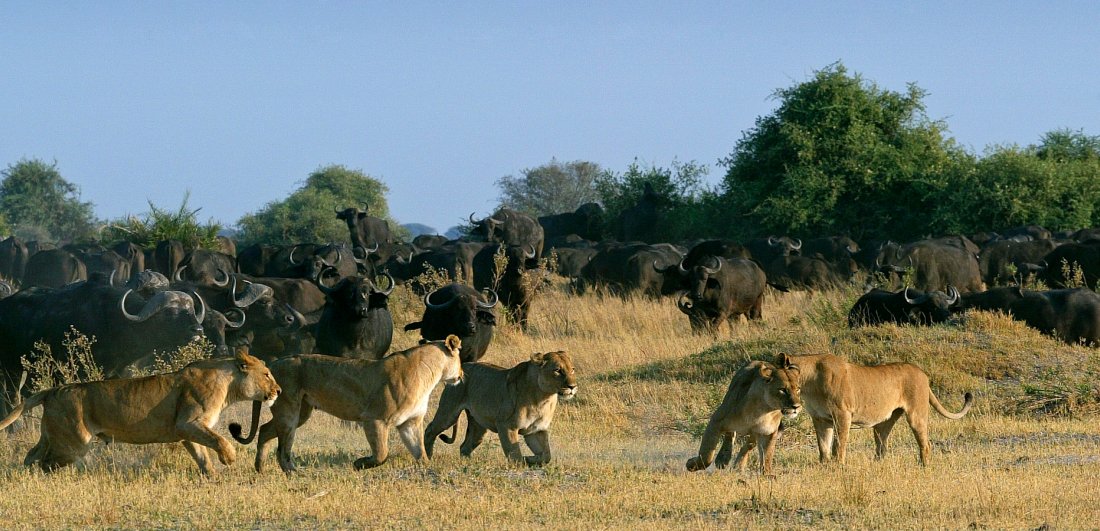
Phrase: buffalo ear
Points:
(766, 372)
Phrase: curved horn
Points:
(200, 316)
(178, 276)
(5, 288)
(251, 294)
(685, 301)
(772, 241)
(321, 275)
(374, 249)
(681, 267)
(223, 283)
(658, 268)
(111, 281)
(401, 260)
(531, 254)
(495, 299)
(429, 304)
(299, 319)
(954, 295)
(713, 270)
(389, 287)
(797, 246)
(159, 301)
(234, 324)
(917, 300)
(292, 249)
(326, 262)
(472, 219)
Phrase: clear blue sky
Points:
(240, 101)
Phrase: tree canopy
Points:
(39, 204)
(165, 224)
(308, 214)
(551, 188)
(685, 201)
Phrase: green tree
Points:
(686, 202)
(552, 188)
(308, 214)
(163, 224)
(38, 202)
(1064, 145)
(841, 155)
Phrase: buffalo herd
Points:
(332, 297)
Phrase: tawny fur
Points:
(759, 396)
(179, 406)
(508, 402)
(380, 394)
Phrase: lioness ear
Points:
(783, 361)
(538, 357)
(454, 343)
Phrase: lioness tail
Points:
(235, 429)
(968, 401)
(454, 434)
(30, 403)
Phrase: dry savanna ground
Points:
(1026, 456)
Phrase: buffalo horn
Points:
(320, 280)
(251, 294)
(954, 295)
(111, 281)
(472, 219)
(796, 246)
(299, 319)
(221, 283)
(234, 324)
(178, 277)
(529, 254)
(713, 270)
(917, 300)
(159, 301)
(772, 241)
(489, 304)
(389, 287)
(292, 249)
(201, 315)
(429, 304)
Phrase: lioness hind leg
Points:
(378, 435)
(882, 433)
(539, 443)
(475, 433)
(920, 432)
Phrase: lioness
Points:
(839, 395)
(178, 406)
(759, 396)
(381, 394)
(509, 402)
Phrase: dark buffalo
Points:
(625, 268)
(368, 233)
(168, 255)
(333, 262)
(513, 287)
(253, 260)
(132, 253)
(935, 264)
(356, 322)
(1072, 315)
(226, 245)
(1005, 261)
(991, 300)
(586, 221)
(34, 246)
(109, 263)
(722, 291)
(512, 228)
(908, 306)
(1085, 235)
(641, 221)
(54, 268)
(125, 326)
(811, 273)
(572, 261)
(764, 251)
(215, 326)
(460, 310)
(13, 259)
(1084, 257)
(704, 250)
(206, 267)
(1032, 232)
(429, 241)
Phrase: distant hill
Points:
(416, 229)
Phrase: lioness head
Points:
(254, 380)
(782, 382)
(556, 374)
(452, 372)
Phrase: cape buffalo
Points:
(460, 310)
(908, 306)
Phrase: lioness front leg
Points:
(191, 430)
(539, 443)
(766, 445)
(378, 435)
(412, 434)
(509, 442)
(198, 453)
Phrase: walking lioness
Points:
(178, 406)
(508, 402)
(381, 394)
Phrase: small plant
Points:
(1073, 274)
(46, 371)
(199, 349)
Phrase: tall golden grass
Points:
(1026, 456)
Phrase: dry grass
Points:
(1026, 456)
